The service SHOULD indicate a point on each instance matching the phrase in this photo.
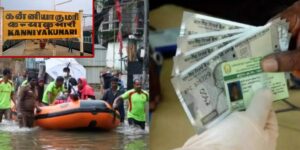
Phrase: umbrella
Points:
(54, 67)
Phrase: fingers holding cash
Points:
(280, 62)
(286, 61)
(292, 15)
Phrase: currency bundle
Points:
(217, 68)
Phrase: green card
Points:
(243, 77)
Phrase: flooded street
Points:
(124, 137)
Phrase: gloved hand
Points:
(38, 109)
(253, 129)
(115, 106)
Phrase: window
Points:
(87, 39)
(105, 26)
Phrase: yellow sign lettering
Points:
(30, 24)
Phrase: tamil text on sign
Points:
(41, 25)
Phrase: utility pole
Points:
(1, 30)
(121, 50)
(146, 19)
(113, 27)
(81, 33)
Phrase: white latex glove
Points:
(115, 105)
(254, 129)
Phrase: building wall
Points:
(94, 65)
(16, 66)
(113, 55)
(130, 10)
(92, 74)
(132, 21)
(31, 63)
(98, 60)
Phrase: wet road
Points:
(124, 138)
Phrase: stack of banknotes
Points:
(217, 66)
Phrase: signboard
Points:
(28, 24)
(1, 27)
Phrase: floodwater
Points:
(123, 138)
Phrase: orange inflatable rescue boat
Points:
(78, 114)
